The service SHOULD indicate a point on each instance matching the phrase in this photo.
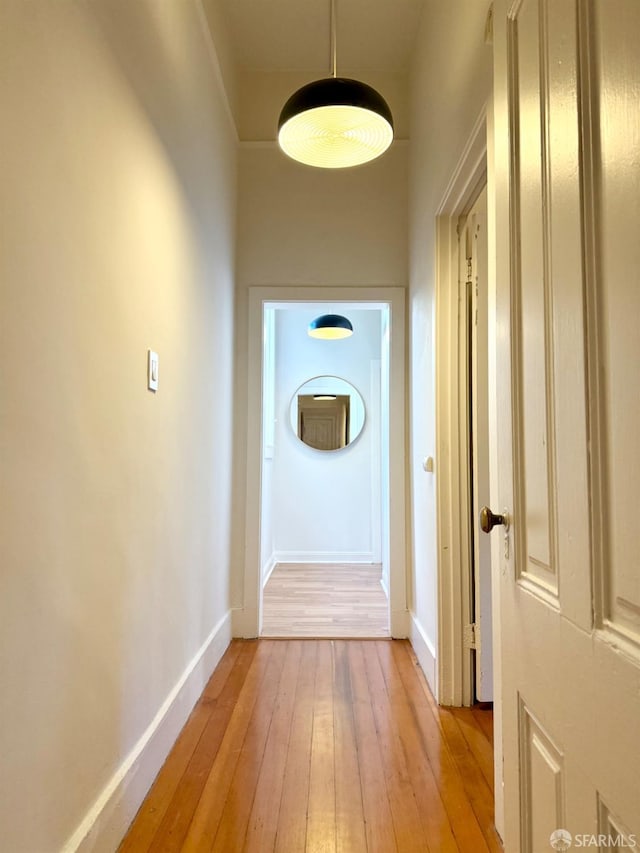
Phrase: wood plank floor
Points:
(325, 600)
(305, 746)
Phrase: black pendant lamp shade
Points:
(330, 327)
(335, 123)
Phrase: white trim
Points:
(243, 620)
(384, 585)
(399, 623)
(267, 569)
(109, 817)
(452, 520)
(469, 171)
(247, 620)
(325, 557)
(426, 654)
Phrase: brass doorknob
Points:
(489, 520)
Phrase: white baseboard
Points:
(109, 817)
(268, 568)
(385, 586)
(324, 557)
(425, 652)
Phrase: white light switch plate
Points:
(152, 370)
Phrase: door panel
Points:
(567, 185)
(542, 784)
(612, 827)
(532, 302)
(548, 306)
(617, 94)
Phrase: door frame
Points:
(454, 681)
(454, 569)
(473, 289)
(247, 619)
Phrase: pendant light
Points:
(330, 327)
(335, 122)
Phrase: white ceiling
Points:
(294, 35)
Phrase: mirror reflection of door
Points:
(323, 420)
(327, 413)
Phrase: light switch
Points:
(152, 370)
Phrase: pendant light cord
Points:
(333, 39)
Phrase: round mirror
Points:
(327, 413)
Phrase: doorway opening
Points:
(286, 519)
(464, 363)
(461, 490)
(473, 284)
(325, 473)
(325, 470)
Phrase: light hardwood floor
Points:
(325, 600)
(302, 746)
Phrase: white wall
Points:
(117, 180)
(451, 81)
(322, 501)
(299, 226)
(303, 226)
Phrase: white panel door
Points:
(567, 184)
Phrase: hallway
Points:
(322, 745)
